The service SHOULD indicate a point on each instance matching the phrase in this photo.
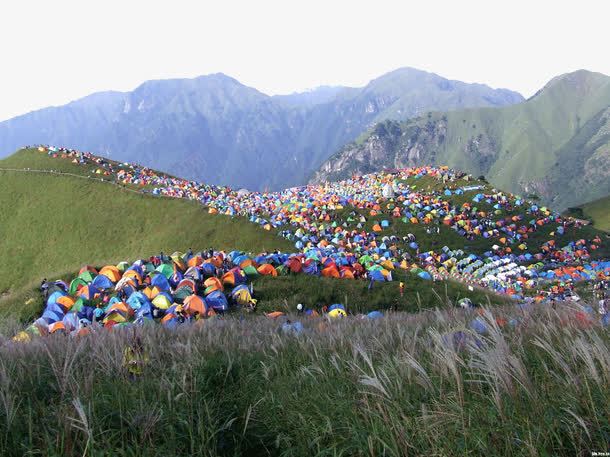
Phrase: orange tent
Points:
(275, 314)
(195, 261)
(111, 272)
(87, 268)
(228, 278)
(195, 304)
(267, 270)
(213, 282)
(133, 274)
(330, 272)
(151, 292)
(66, 301)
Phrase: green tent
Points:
(75, 284)
(87, 276)
(250, 271)
(166, 270)
(78, 305)
(182, 293)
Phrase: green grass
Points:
(389, 387)
(285, 292)
(52, 225)
(59, 223)
(598, 212)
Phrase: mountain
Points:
(317, 96)
(555, 145)
(217, 130)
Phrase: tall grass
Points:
(401, 385)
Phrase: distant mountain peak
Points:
(215, 129)
(580, 80)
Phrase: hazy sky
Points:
(60, 50)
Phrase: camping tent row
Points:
(186, 286)
(309, 211)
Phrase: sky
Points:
(56, 51)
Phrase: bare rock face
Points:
(387, 147)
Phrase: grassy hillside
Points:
(53, 224)
(555, 145)
(56, 223)
(598, 212)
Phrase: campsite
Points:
(339, 265)
(304, 229)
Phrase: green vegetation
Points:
(556, 144)
(598, 212)
(59, 222)
(284, 292)
(392, 387)
(53, 223)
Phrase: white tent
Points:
(388, 191)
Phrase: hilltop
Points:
(216, 130)
(64, 215)
(54, 223)
(556, 145)
(410, 225)
(338, 378)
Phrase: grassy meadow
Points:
(53, 224)
(400, 385)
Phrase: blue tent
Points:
(137, 300)
(376, 275)
(102, 282)
(52, 300)
(208, 269)
(160, 281)
(217, 301)
(424, 275)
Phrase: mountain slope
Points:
(555, 145)
(216, 130)
(55, 223)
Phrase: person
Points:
(44, 289)
(401, 287)
(603, 310)
(135, 358)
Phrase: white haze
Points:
(57, 51)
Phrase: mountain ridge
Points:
(213, 127)
(521, 147)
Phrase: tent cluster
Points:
(344, 229)
(177, 288)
